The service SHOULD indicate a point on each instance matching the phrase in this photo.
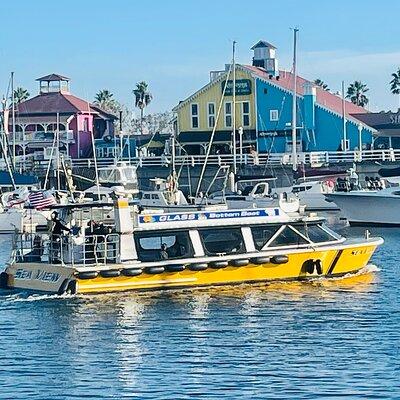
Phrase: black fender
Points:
(110, 273)
(218, 264)
(63, 287)
(198, 267)
(281, 259)
(239, 263)
(72, 287)
(131, 271)
(175, 268)
(4, 280)
(87, 274)
(154, 270)
(260, 260)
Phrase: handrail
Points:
(272, 159)
(91, 249)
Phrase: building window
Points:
(194, 115)
(246, 113)
(211, 114)
(228, 114)
(86, 125)
(100, 152)
(110, 151)
(273, 115)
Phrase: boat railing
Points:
(69, 250)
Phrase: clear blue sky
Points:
(174, 44)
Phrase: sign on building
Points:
(243, 87)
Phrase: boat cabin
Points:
(90, 238)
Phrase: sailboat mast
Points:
(294, 102)
(13, 116)
(344, 119)
(234, 108)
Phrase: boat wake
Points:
(368, 269)
(23, 297)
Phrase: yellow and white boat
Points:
(156, 250)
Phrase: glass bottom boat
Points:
(147, 251)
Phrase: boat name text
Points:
(39, 275)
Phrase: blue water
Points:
(325, 339)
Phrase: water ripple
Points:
(322, 339)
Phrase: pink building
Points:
(78, 121)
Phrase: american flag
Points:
(41, 199)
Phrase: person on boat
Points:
(90, 241)
(37, 251)
(163, 252)
(56, 236)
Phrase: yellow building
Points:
(212, 106)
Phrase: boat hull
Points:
(337, 260)
(368, 209)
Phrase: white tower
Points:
(265, 57)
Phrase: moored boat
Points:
(179, 250)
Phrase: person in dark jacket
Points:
(56, 236)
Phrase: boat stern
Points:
(38, 277)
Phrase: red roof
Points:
(53, 103)
(324, 98)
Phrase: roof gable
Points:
(324, 98)
(263, 43)
(53, 77)
(53, 103)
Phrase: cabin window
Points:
(163, 246)
(315, 233)
(211, 114)
(273, 115)
(228, 114)
(155, 196)
(194, 115)
(288, 237)
(222, 241)
(146, 196)
(262, 235)
(246, 113)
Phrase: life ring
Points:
(198, 267)
(218, 264)
(281, 259)
(131, 271)
(154, 270)
(239, 263)
(110, 273)
(87, 275)
(260, 260)
(175, 268)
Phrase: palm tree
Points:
(104, 99)
(395, 82)
(356, 93)
(142, 99)
(20, 95)
(321, 84)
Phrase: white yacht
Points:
(369, 207)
